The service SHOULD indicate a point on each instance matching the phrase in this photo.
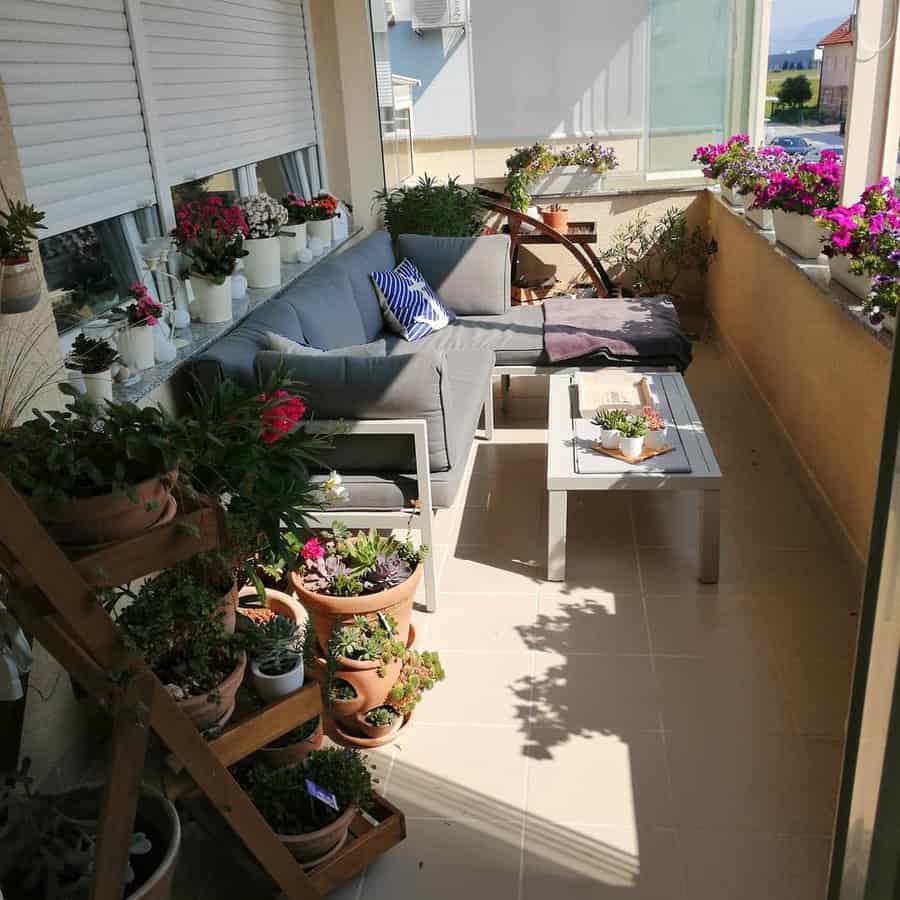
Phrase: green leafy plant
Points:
(381, 716)
(18, 228)
(91, 356)
(656, 255)
(366, 640)
(420, 673)
(279, 646)
(45, 851)
(283, 799)
(633, 427)
(795, 91)
(610, 419)
(431, 207)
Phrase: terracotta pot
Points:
(347, 735)
(154, 811)
(278, 603)
(325, 611)
(376, 732)
(313, 846)
(556, 218)
(371, 688)
(291, 754)
(108, 518)
(20, 286)
(204, 712)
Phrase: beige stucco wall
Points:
(810, 363)
(837, 61)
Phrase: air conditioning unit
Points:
(431, 14)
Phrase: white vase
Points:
(262, 264)
(761, 218)
(136, 344)
(98, 385)
(274, 687)
(802, 234)
(292, 242)
(731, 196)
(238, 285)
(631, 446)
(860, 285)
(321, 229)
(76, 379)
(212, 302)
(609, 438)
(656, 439)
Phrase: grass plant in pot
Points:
(292, 237)
(48, 847)
(265, 217)
(94, 359)
(342, 575)
(176, 625)
(310, 806)
(94, 476)
(136, 340)
(277, 665)
(210, 236)
(20, 281)
(610, 422)
(321, 210)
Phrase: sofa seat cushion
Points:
(515, 338)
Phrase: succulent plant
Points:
(420, 673)
(390, 570)
(633, 427)
(380, 716)
(280, 645)
(610, 418)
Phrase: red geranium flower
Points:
(278, 419)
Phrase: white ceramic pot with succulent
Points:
(94, 359)
(277, 667)
(610, 422)
(265, 217)
(633, 432)
(20, 280)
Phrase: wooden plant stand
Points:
(53, 597)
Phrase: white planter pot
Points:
(631, 447)
(212, 302)
(798, 233)
(98, 385)
(761, 218)
(860, 285)
(731, 196)
(569, 180)
(609, 438)
(889, 323)
(262, 265)
(320, 229)
(274, 687)
(656, 440)
(76, 379)
(135, 345)
(292, 242)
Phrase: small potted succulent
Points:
(379, 722)
(264, 216)
(610, 422)
(321, 210)
(210, 236)
(341, 576)
(177, 625)
(292, 237)
(656, 429)
(136, 341)
(420, 673)
(94, 359)
(343, 698)
(48, 846)
(633, 431)
(20, 281)
(311, 806)
(556, 217)
(277, 666)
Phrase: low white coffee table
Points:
(608, 474)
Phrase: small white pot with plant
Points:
(656, 429)
(292, 237)
(264, 216)
(633, 431)
(320, 212)
(94, 360)
(610, 422)
(136, 342)
(277, 667)
(20, 281)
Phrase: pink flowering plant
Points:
(211, 237)
(716, 157)
(807, 189)
(747, 171)
(298, 209)
(145, 310)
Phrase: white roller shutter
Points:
(230, 80)
(73, 101)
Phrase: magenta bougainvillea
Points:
(806, 190)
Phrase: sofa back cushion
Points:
(324, 303)
(470, 274)
(373, 254)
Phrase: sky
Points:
(797, 24)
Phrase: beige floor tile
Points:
(810, 626)
(750, 781)
(599, 520)
(820, 575)
(588, 619)
(670, 519)
(492, 623)
(460, 772)
(599, 779)
(786, 523)
(612, 570)
(476, 569)
(520, 529)
(739, 695)
(742, 866)
(481, 688)
(589, 693)
(676, 570)
(597, 862)
(448, 860)
(820, 694)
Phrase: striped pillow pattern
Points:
(410, 306)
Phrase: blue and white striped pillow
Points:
(410, 306)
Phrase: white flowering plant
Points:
(264, 215)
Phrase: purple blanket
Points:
(636, 331)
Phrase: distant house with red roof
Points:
(837, 62)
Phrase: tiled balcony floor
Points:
(629, 733)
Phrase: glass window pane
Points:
(222, 184)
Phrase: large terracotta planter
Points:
(325, 612)
(309, 848)
(20, 286)
(107, 518)
(291, 754)
(204, 712)
(802, 234)
(278, 603)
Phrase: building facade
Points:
(837, 63)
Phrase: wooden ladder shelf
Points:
(53, 597)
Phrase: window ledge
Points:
(200, 336)
(818, 273)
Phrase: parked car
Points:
(796, 146)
